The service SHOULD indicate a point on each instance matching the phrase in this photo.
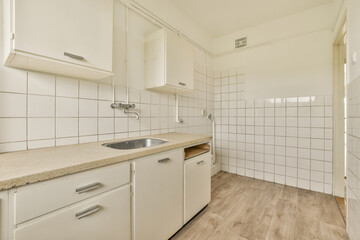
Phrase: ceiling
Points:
(221, 17)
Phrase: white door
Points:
(179, 61)
(197, 185)
(51, 28)
(158, 201)
(106, 216)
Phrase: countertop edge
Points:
(76, 168)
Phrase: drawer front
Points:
(197, 185)
(106, 216)
(40, 198)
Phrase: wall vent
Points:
(241, 42)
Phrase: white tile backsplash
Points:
(54, 110)
(353, 158)
(278, 139)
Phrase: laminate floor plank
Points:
(243, 208)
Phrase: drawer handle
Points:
(164, 160)
(88, 188)
(182, 84)
(87, 212)
(73, 56)
(201, 162)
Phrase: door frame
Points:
(339, 55)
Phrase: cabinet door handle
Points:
(164, 160)
(88, 188)
(73, 56)
(182, 84)
(87, 212)
(201, 162)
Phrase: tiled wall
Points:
(282, 140)
(353, 158)
(39, 110)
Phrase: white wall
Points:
(173, 16)
(291, 56)
(353, 106)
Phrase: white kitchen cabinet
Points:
(64, 37)
(197, 184)
(169, 62)
(106, 216)
(41, 198)
(4, 215)
(158, 201)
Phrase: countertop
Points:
(25, 167)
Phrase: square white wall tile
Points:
(12, 105)
(106, 125)
(67, 87)
(66, 127)
(105, 92)
(88, 108)
(41, 128)
(41, 106)
(40, 83)
(88, 90)
(105, 109)
(67, 107)
(88, 126)
(12, 130)
(13, 80)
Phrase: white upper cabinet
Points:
(65, 37)
(169, 62)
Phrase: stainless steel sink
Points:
(133, 144)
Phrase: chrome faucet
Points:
(125, 108)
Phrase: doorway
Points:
(339, 116)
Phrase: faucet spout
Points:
(129, 112)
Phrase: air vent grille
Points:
(241, 42)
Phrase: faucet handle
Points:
(131, 105)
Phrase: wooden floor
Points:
(246, 208)
(341, 204)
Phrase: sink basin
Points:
(133, 144)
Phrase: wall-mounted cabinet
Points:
(169, 62)
(64, 37)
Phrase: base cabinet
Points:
(158, 204)
(142, 199)
(197, 187)
(106, 216)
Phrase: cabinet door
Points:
(158, 203)
(106, 216)
(197, 185)
(51, 28)
(179, 62)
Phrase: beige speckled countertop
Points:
(24, 167)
